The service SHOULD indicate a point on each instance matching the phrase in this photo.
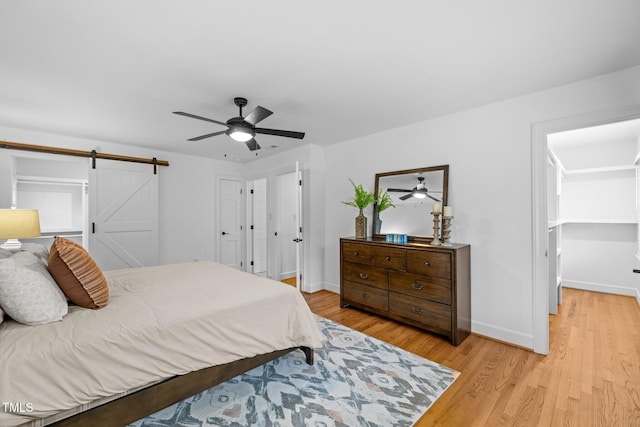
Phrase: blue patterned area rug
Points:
(356, 380)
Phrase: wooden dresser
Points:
(415, 283)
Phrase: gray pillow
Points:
(1, 315)
(37, 249)
(5, 253)
(28, 293)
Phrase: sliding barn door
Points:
(123, 214)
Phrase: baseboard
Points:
(287, 275)
(507, 336)
(315, 287)
(322, 287)
(603, 288)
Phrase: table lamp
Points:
(18, 224)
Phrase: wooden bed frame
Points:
(147, 401)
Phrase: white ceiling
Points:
(115, 70)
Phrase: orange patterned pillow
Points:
(77, 274)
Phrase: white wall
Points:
(489, 153)
(187, 191)
(600, 257)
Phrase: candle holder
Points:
(436, 227)
(446, 230)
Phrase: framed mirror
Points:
(413, 193)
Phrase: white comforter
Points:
(160, 322)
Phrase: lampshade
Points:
(19, 223)
(241, 133)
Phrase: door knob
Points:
(224, 233)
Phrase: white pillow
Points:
(28, 293)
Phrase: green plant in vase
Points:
(361, 199)
(383, 202)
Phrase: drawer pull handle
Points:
(418, 311)
(417, 286)
(388, 258)
(364, 275)
(356, 253)
(365, 295)
(426, 263)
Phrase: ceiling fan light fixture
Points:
(418, 194)
(240, 133)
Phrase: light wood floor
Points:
(290, 281)
(590, 378)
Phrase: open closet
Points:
(592, 210)
(58, 190)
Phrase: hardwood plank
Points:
(590, 377)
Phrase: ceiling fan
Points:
(420, 191)
(243, 129)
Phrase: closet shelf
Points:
(599, 170)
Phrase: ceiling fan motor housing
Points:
(240, 102)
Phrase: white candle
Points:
(448, 211)
(435, 208)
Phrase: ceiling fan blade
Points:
(193, 116)
(258, 114)
(401, 190)
(252, 144)
(405, 197)
(209, 135)
(277, 132)
(433, 198)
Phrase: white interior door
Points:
(299, 229)
(258, 227)
(123, 214)
(230, 222)
(287, 219)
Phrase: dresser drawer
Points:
(366, 275)
(432, 288)
(436, 264)
(426, 312)
(390, 258)
(366, 295)
(354, 252)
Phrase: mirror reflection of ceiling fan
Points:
(420, 191)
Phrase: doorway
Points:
(287, 219)
(540, 196)
(274, 218)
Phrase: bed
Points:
(167, 332)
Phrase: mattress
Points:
(160, 322)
